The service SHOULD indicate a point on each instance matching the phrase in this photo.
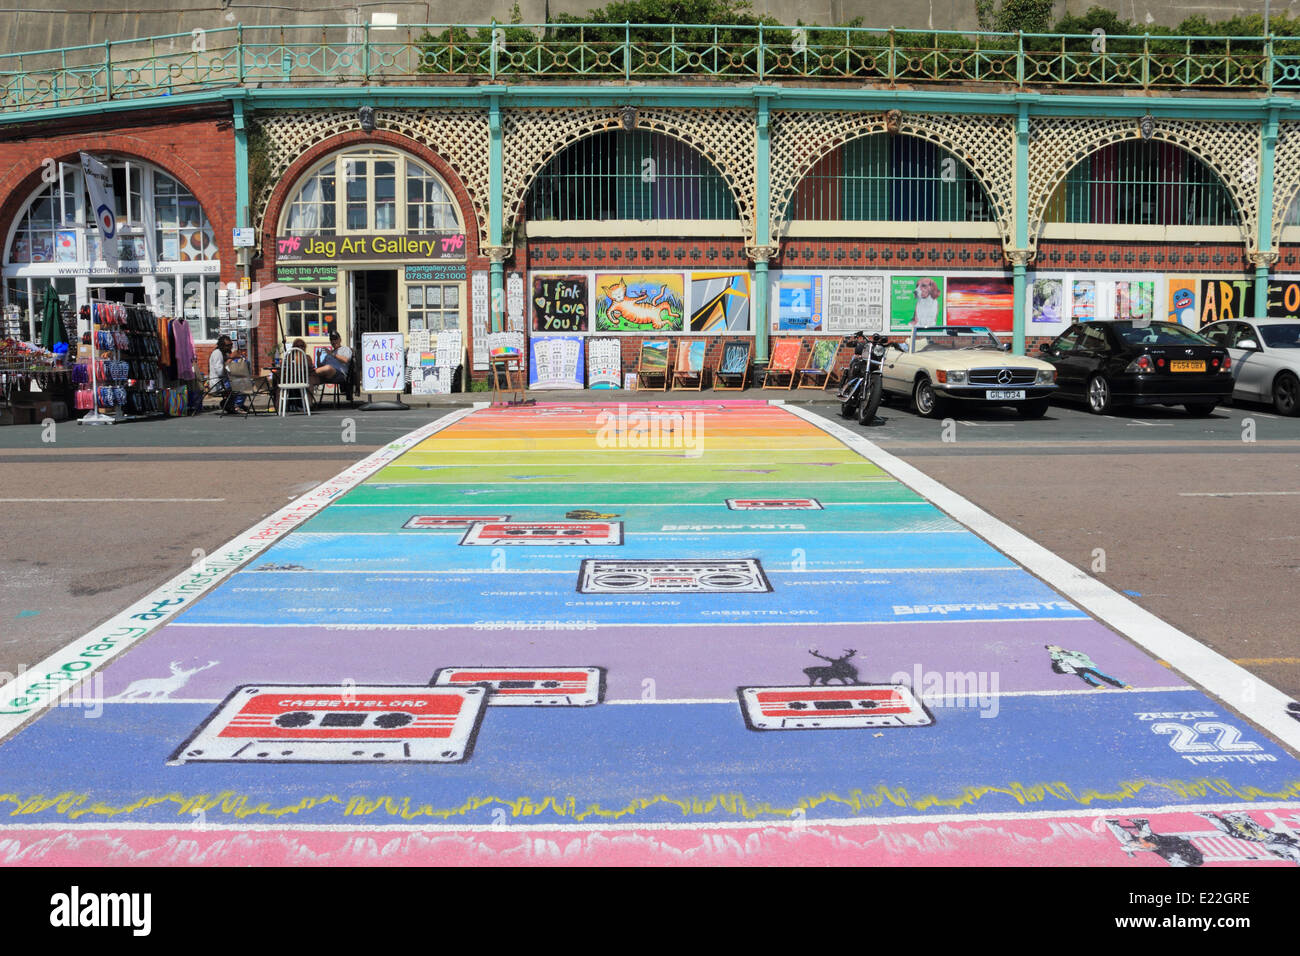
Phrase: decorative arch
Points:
(985, 144)
(1230, 149)
(455, 143)
(725, 137)
(1286, 176)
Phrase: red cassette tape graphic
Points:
(585, 533)
(295, 723)
(774, 504)
(724, 575)
(449, 522)
(530, 686)
(821, 708)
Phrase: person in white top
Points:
(217, 362)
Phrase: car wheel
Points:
(1286, 394)
(1100, 399)
(1035, 409)
(1200, 409)
(927, 401)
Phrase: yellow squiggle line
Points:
(240, 806)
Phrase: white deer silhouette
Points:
(151, 688)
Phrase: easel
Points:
(516, 382)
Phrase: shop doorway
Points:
(374, 302)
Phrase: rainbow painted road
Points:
(697, 632)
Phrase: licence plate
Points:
(1005, 396)
(1187, 366)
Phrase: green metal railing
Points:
(340, 55)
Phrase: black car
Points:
(1108, 364)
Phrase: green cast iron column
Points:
(762, 230)
(495, 214)
(241, 164)
(1264, 236)
(1022, 231)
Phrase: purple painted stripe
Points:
(682, 662)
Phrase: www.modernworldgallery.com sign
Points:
(354, 247)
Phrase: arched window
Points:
(1137, 183)
(638, 175)
(165, 251)
(158, 220)
(369, 190)
(884, 178)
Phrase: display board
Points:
(720, 301)
(855, 303)
(382, 362)
(604, 363)
(561, 303)
(479, 318)
(557, 362)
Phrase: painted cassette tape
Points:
(723, 575)
(449, 522)
(530, 686)
(774, 504)
(297, 723)
(821, 708)
(585, 533)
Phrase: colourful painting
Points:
(690, 356)
(560, 303)
(1083, 305)
(823, 354)
(1048, 300)
(1134, 300)
(1181, 300)
(915, 301)
(654, 357)
(640, 302)
(785, 354)
(720, 301)
(799, 304)
(980, 300)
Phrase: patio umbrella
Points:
(275, 292)
(52, 331)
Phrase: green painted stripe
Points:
(613, 494)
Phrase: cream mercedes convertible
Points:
(944, 366)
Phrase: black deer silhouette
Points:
(840, 670)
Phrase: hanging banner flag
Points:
(99, 184)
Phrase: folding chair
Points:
(733, 363)
(783, 362)
(295, 376)
(690, 364)
(653, 361)
(820, 364)
(244, 386)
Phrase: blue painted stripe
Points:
(447, 600)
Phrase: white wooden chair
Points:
(295, 375)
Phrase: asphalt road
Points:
(1197, 524)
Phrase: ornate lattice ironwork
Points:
(460, 137)
(724, 136)
(1286, 175)
(1231, 149)
(986, 144)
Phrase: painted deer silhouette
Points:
(840, 669)
(148, 688)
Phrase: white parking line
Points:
(1231, 683)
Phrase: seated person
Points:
(219, 377)
(334, 369)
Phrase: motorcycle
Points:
(863, 387)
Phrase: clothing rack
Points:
(136, 363)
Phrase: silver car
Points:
(1265, 359)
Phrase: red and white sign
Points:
(585, 533)
(530, 686)
(774, 504)
(821, 708)
(449, 522)
(295, 723)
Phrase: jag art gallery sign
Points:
(358, 247)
